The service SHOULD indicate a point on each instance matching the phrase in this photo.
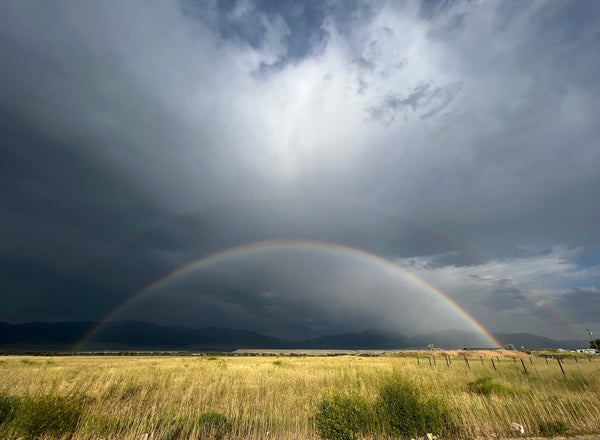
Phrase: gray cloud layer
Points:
(456, 138)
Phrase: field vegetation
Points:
(309, 397)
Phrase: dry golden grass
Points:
(125, 397)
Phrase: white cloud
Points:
(525, 292)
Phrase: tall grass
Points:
(248, 397)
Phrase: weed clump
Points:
(553, 428)
(400, 410)
(8, 408)
(48, 415)
(487, 386)
(214, 423)
(342, 417)
(403, 412)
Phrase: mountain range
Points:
(134, 335)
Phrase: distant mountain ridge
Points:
(367, 339)
(132, 335)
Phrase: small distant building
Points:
(586, 350)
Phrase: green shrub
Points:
(403, 412)
(556, 427)
(49, 415)
(342, 417)
(486, 386)
(8, 408)
(214, 423)
(212, 419)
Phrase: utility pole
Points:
(592, 338)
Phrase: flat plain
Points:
(267, 396)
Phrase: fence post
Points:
(493, 364)
(467, 362)
(560, 365)
(523, 363)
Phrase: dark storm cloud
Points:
(581, 304)
(422, 96)
(136, 139)
(503, 298)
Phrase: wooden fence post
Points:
(523, 363)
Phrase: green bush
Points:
(214, 423)
(212, 419)
(486, 386)
(402, 411)
(49, 415)
(342, 417)
(8, 408)
(556, 427)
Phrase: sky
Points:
(353, 165)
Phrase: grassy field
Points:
(296, 397)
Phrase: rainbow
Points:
(312, 245)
